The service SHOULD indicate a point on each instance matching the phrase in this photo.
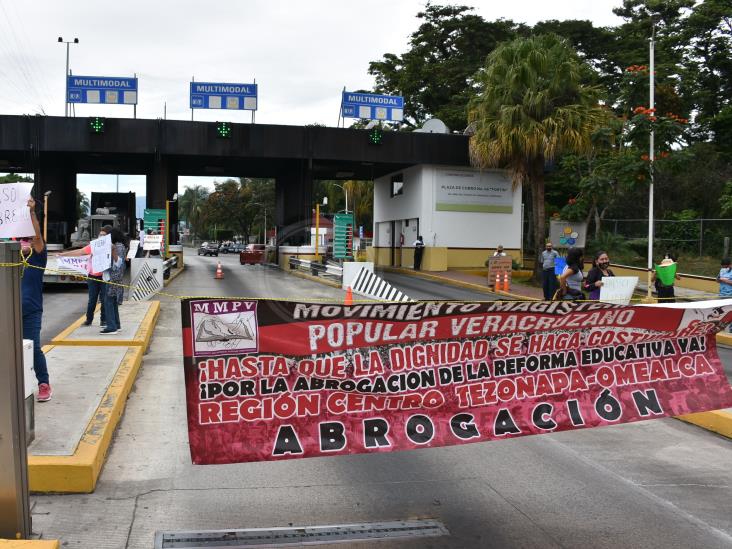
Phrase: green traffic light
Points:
(96, 124)
(375, 136)
(223, 129)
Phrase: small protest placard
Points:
(78, 264)
(101, 255)
(153, 242)
(618, 289)
(15, 218)
(134, 246)
(498, 266)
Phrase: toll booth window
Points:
(397, 185)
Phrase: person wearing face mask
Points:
(600, 269)
(34, 254)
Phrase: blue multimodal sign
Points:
(115, 90)
(372, 106)
(219, 95)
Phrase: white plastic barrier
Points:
(351, 270)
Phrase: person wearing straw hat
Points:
(663, 278)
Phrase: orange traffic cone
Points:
(497, 286)
(219, 272)
(506, 283)
(349, 296)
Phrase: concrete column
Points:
(294, 204)
(161, 184)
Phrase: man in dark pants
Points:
(548, 276)
(418, 251)
(34, 253)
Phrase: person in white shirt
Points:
(499, 252)
(418, 251)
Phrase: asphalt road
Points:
(659, 483)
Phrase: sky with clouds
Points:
(301, 54)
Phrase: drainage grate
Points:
(304, 535)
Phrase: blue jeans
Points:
(112, 311)
(97, 292)
(32, 330)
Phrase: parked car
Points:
(227, 248)
(209, 248)
(252, 254)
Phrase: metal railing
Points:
(316, 268)
(168, 264)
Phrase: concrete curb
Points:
(140, 339)
(174, 275)
(314, 279)
(29, 544)
(79, 472)
(718, 421)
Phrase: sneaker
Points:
(44, 392)
(107, 332)
(87, 323)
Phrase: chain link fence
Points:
(692, 237)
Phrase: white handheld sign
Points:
(15, 220)
(618, 289)
(134, 245)
(153, 242)
(76, 264)
(101, 252)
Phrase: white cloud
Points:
(301, 53)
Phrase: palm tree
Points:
(190, 205)
(532, 105)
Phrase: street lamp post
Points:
(652, 157)
(66, 75)
(345, 192)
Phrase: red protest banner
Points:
(270, 380)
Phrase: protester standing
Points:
(97, 288)
(33, 251)
(113, 276)
(548, 260)
(600, 268)
(570, 281)
(418, 251)
(665, 292)
(499, 252)
(725, 279)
